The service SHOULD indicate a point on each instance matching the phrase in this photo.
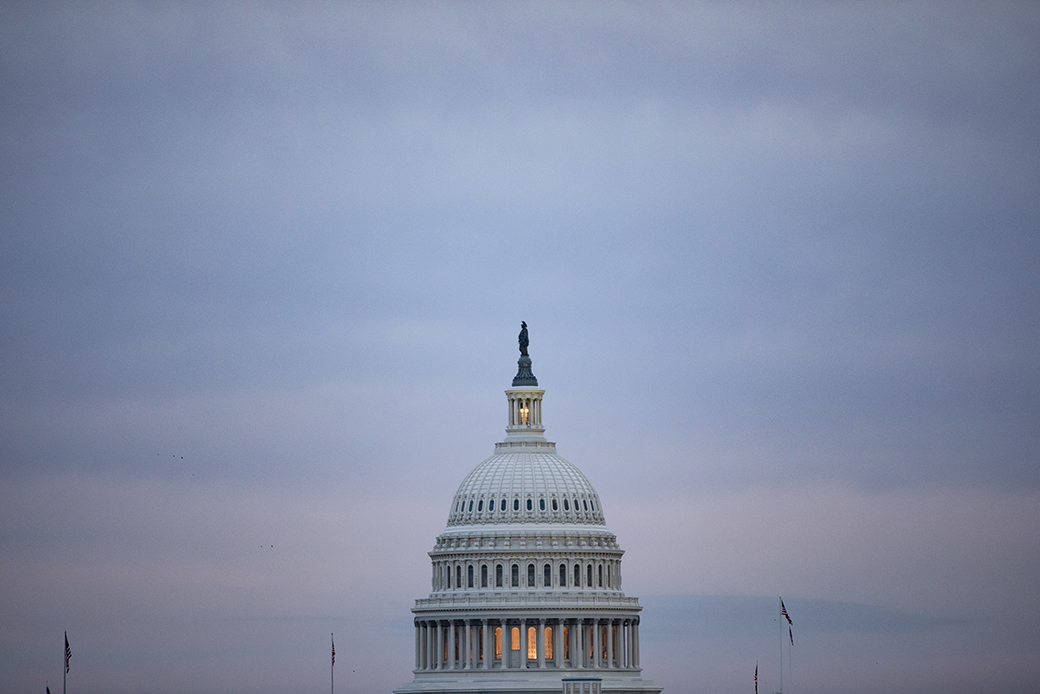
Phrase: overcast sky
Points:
(262, 267)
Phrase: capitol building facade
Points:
(526, 578)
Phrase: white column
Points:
(610, 643)
(580, 635)
(540, 646)
(558, 647)
(417, 639)
(523, 644)
(467, 642)
(635, 645)
(485, 640)
(597, 643)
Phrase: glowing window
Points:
(514, 638)
(515, 576)
(548, 643)
(532, 644)
(498, 643)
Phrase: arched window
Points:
(515, 576)
(555, 506)
(576, 506)
(498, 576)
(609, 584)
(469, 576)
(530, 575)
(498, 643)
(456, 507)
(480, 506)
(471, 505)
(491, 504)
(532, 644)
(514, 638)
(563, 575)
(483, 576)
(585, 504)
(588, 581)
(458, 576)
(600, 571)
(541, 504)
(449, 578)
(530, 505)
(577, 576)
(593, 505)
(548, 643)
(547, 576)
(516, 504)
(566, 505)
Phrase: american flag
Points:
(756, 679)
(783, 611)
(68, 652)
(333, 651)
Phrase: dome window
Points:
(469, 574)
(530, 505)
(458, 576)
(593, 505)
(480, 506)
(556, 506)
(530, 575)
(471, 505)
(547, 576)
(566, 505)
(563, 575)
(491, 505)
(585, 504)
(577, 576)
(588, 577)
(498, 576)
(577, 507)
(541, 504)
(483, 576)
(516, 504)
(514, 575)
(456, 507)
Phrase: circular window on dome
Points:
(556, 507)
(541, 504)
(480, 506)
(566, 505)
(516, 504)
(530, 505)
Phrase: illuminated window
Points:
(514, 638)
(547, 576)
(532, 644)
(548, 643)
(498, 576)
(566, 643)
(515, 576)
(563, 575)
(498, 643)
(483, 576)
(469, 576)
(530, 575)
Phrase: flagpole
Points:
(332, 667)
(780, 619)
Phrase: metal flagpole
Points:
(780, 618)
(332, 668)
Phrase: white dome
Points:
(526, 483)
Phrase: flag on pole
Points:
(333, 651)
(791, 634)
(756, 679)
(783, 611)
(48, 689)
(68, 652)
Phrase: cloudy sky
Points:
(262, 267)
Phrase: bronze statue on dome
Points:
(524, 341)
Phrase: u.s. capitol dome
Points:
(526, 577)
